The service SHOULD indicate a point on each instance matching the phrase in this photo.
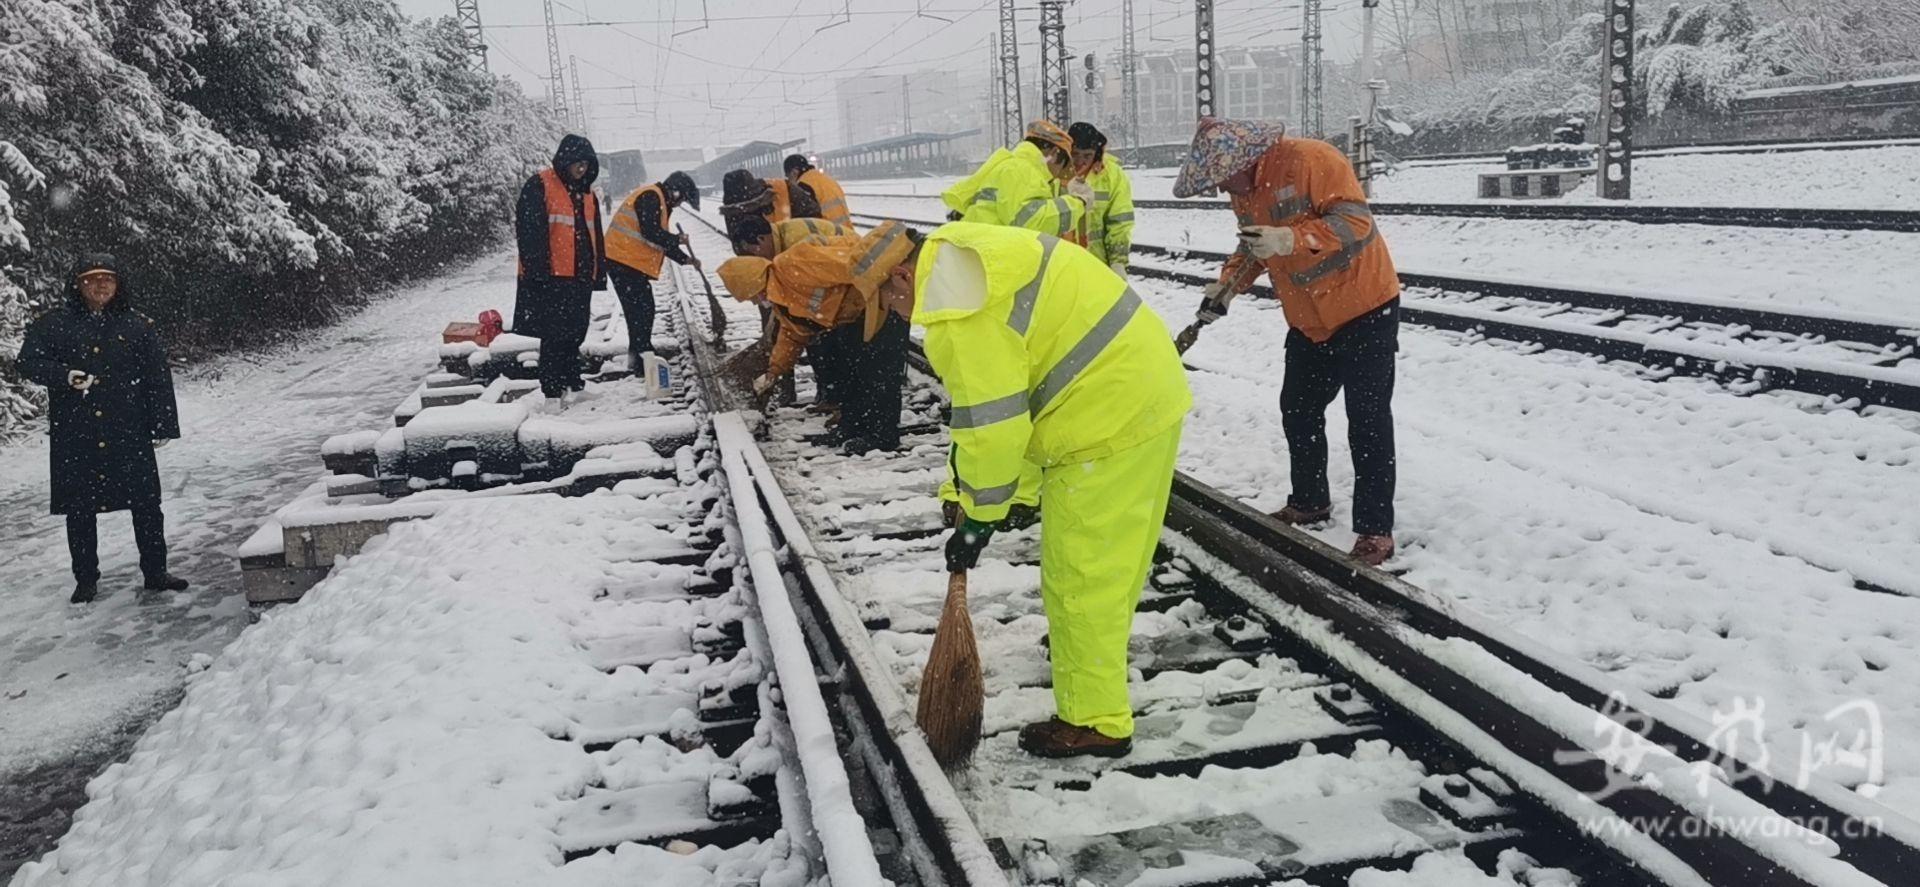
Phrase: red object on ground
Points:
(481, 334)
(491, 325)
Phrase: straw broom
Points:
(952, 692)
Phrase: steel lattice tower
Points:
(467, 13)
(1129, 90)
(557, 81)
(579, 94)
(1012, 120)
(1055, 88)
(1312, 75)
(1204, 70)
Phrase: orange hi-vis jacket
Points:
(824, 282)
(1339, 268)
(782, 200)
(561, 221)
(624, 241)
(833, 198)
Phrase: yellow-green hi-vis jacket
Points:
(1014, 188)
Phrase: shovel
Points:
(715, 316)
(1248, 271)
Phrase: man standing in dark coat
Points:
(111, 405)
(563, 261)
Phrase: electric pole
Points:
(1312, 76)
(467, 13)
(1129, 91)
(557, 82)
(1055, 88)
(906, 107)
(1203, 67)
(579, 94)
(1012, 120)
(1360, 136)
(1616, 105)
(996, 98)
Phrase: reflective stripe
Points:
(1351, 209)
(1102, 195)
(1104, 331)
(993, 411)
(984, 194)
(1120, 217)
(813, 304)
(1031, 209)
(1066, 216)
(988, 496)
(836, 203)
(558, 219)
(865, 264)
(1335, 262)
(1343, 229)
(630, 230)
(1029, 295)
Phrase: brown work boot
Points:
(1055, 738)
(1372, 550)
(1303, 517)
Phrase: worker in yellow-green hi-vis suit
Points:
(1050, 358)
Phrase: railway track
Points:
(1298, 718)
(1895, 220)
(1750, 349)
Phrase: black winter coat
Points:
(540, 299)
(102, 449)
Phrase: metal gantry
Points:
(579, 95)
(1616, 104)
(1313, 120)
(1204, 70)
(557, 81)
(1012, 120)
(467, 13)
(1055, 88)
(1129, 71)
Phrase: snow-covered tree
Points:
(16, 404)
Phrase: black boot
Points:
(166, 582)
(83, 591)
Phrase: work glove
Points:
(1080, 189)
(966, 543)
(80, 380)
(1214, 301)
(159, 442)
(762, 384)
(1267, 241)
(953, 215)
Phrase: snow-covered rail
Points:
(1269, 669)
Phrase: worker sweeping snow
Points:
(1050, 358)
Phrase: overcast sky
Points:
(673, 73)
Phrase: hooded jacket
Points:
(531, 223)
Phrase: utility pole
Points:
(467, 13)
(906, 107)
(996, 99)
(557, 82)
(1617, 104)
(1055, 88)
(579, 94)
(1360, 136)
(1129, 90)
(1203, 66)
(1012, 120)
(1312, 76)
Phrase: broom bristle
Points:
(952, 692)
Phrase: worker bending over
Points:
(638, 241)
(1031, 186)
(1050, 359)
(1303, 215)
(744, 195)
(831, 353)
(825, 286)
(809, 183)
(1110, 218)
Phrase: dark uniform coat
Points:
(542, 302)
(102, 452)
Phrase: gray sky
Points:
(674, 73)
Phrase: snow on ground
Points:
(1864, 178)
(1860, 272)
(399, 725)
(75, 682)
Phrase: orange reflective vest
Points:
(782, 201)
(624, 242)
(833, 199)
(1339, 268)
(561, 222)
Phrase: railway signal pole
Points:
(1312, 75)
(1055, 89)
(557, 81)
(1203, 67)
(1617, 105)
(1129, 90)
(467, 13)
(1012, 120)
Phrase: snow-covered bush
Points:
(16, 403)
(255, 164)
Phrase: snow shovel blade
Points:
(1186, 338)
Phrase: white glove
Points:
(1120, 268)
(1079, 188)
(159, 442)
(1267, 241)
(80, 380)
(762, 384)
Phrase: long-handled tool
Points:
(952, 692)
(1250, 268)
(715, 316)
